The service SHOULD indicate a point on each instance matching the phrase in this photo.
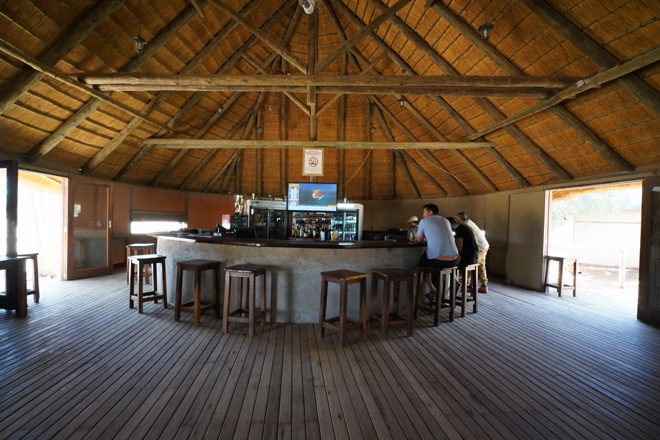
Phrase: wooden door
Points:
(648, 305)
(89, 229)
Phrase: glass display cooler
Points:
(343, 225)
(268, 218)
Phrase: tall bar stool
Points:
(559, 285)
(392, 319)
(137, 264)
(249, 272)
(344, 278)
(198, 305)
(140, 249)
(443, 279)
(35, 268)
(468, 296)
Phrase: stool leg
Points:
(131, 281)
(251, 299)
(225, 304)
(324, 297)
(575, 271)
(35, 266)
(409, 312)
(178, 293)
(374, 290)
(385, 310)
(162, 272)
(363, 307)
(561, 277)
(198, 297)
(342, 312)
(262, 301)
(155, 280)
(474, 289)
(140, 288)
(216, 293)
(452, 294)
(464, 291)
(439, 284)
(418, 295)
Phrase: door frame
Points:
(70, 273)
(646, 284)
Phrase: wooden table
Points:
(16, 295)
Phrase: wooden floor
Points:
(527, 366)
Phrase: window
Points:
(148, 222)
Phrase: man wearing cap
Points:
(413, 223)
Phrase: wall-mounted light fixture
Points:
(484, 30)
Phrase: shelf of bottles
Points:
(338, 226)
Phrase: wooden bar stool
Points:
(392, 319)
(344, 278)
(560, 286)
(35, 270)
(443, 279)
(140, 249)
(198, 305)
(249, 272)
(137, 264)
(468, 296)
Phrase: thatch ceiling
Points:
(406, 95)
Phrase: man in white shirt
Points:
(482, 250)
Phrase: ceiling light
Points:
(308, 6)
(402, 101)
(220, 109)
(484, 30)
(373, 129)
(139, 43)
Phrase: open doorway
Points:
(40, 221)
(600, 226)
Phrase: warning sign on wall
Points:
(312, 162)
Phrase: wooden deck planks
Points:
(528, 365)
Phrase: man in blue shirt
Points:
(441, 251)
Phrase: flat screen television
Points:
(311, 196)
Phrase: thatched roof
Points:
(562, 90)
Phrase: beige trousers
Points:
(481, 259)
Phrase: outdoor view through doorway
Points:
(600, 226)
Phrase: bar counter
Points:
(293, 280)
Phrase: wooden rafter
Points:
(490, 109)
(193, 64)
(275, 45)
(644, 91)
(93, 104)
(219, 143)
(49, 71)
(560, 111)
(58, 51)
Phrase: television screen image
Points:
(312, 197)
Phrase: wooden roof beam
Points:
(59, 50)
(192, 65)
(93, 104)
(454, 181)
(459, 120)
(367, 29)
(595, 81)
(560, 111)
(49, 71)
(492, 111)
(270, 42)
(290, 144)
(633, 83)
